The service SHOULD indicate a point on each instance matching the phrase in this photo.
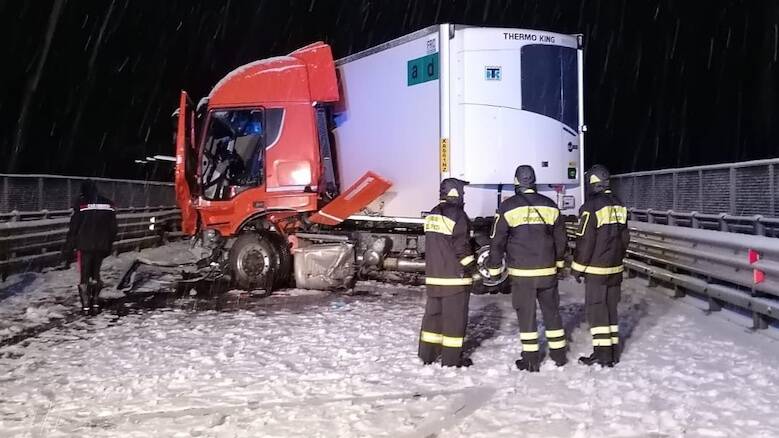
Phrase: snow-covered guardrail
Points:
(32, 244)
(725, 268)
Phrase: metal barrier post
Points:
(6, 207)
(40, 193)
(700, 190)
(759, 322)
(772, 190)
(732, 190)
(759, 226)
(675, 191)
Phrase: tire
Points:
(501, 286)
(284, 271)
(253, 260)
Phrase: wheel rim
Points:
(253, 262)
(481, 261)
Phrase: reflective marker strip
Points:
(596, 270)
(452, 342)
(583, 223)
(530, 347)
(556, 345)
(516, 272)
(601, 342)
(433, 281)
(600, 330)
(431, 338)
(467, 260)
(528, 336)
(615, 340)
(106, 207)
(555, 333)
(494, 272)
(614, 328)
(560, 264)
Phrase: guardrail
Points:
(727, 269)
(36, 243)
(756, 224)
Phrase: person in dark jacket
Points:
(449, 273)
(602, 241)
(529, 231)
(91, 234)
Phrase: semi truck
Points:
(320, 170)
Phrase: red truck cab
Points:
(257, 152)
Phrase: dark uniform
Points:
(602, 240)
(449, 270)
(91, 234)
(528, 229)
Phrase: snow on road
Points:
(338, 366)
(29, 300)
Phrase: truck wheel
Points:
(490, 286)
(284, 272)
(253, 259)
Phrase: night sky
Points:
(89, 85)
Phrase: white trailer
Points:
(465, 102)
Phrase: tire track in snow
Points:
(466, 401)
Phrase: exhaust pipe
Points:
(404, 265)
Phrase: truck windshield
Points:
(232, 158)
(550, 82)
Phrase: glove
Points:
(578, 276)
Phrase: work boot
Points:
(83, 295)
(94, 292)
(462, 363)
(616, 352)
(527, 365)
(530, 361)
(594, 359)
(558, 356)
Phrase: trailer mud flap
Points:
(367, 188)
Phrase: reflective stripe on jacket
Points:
(528, 229)
(448, 252)
(602, 235)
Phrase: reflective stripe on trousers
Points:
(437, 281)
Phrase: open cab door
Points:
(186, 158)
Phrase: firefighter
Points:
(91, 234)
(529, 231)
(450, 270)
(602, 240)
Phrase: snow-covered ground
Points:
(31, 299)
(314, 364)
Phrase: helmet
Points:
(524, 178)
(597, 178)
(453, 190)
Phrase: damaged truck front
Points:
(262, 161)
